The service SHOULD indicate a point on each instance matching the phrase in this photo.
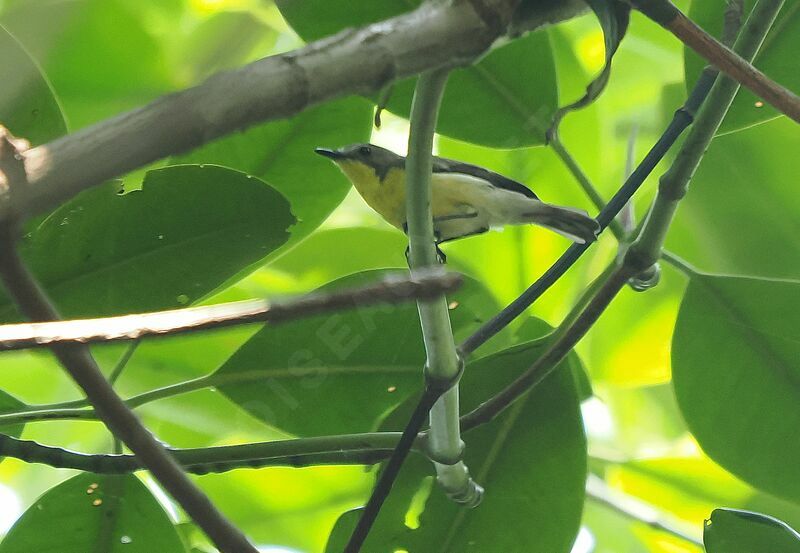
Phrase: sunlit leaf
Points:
(746, 181)
(188, 231)
(730, 530)
(736, 372)
(100, 55)
(114, 514)
(613, 16)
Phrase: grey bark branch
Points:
(355, 61)
(421, 285)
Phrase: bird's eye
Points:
(365, 150)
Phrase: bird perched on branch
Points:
(465, 199)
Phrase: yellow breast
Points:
(387, 196)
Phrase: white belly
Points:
(465, 205)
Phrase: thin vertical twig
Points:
(443, 365)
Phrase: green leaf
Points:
(613, 16)
(747, 180)
(505, 101)
(730, 530)
(340, 373)
(28, 106)
(224, 41)
(190, 230)
(100, 55)
(777, 58)
(531, 461)
(112, 514)
(10, 404)
(736, 372)
(537, 329)
(282, 153)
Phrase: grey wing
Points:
(444, 165)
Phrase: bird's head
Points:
(362, 161)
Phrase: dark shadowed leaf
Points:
(730, 530)
(28, 106)
(506, 100)
(282, 153)
(187, 232)
(340, 373)
(531, 460)
(736, 372)
(113, 514)
(777, 59)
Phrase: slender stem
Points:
(600, 492)
(80, 364)
(443, 361)
(646, 249)
(682, 119)
(392, 289)
(347, 449)
(122, 362)
(443, 364)
(675, 182)
(734, 64)
(584, 182)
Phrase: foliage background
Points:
(208, 234)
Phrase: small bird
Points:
(465, 199)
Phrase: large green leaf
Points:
(748, 180)
(100, 55)
(188, 231)
(112, 514)
(736, 372)
(729, 530)
(282, 153)
(339, 373)
(506, 100)
(777, 58)
(531, 461)
(28, 106)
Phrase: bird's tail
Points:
(573, 223)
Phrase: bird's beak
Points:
(335, 155)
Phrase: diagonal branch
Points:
(682, 119)
(726, 60)
(355, 61)
(420, 285)
(646, 249)
(80, 364)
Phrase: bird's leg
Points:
(440, 255)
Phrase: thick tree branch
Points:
(360, 61)
(80, 364)
(396, 289)
(726, 60)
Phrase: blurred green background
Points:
(86, 60)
